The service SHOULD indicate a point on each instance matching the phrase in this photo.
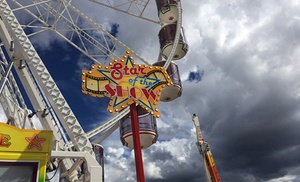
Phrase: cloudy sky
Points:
(240, 76)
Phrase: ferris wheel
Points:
(21, 66)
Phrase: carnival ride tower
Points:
(205, 152)
(21, 66)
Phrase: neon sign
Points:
(125, 83)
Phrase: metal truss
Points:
(76, 28)
(134, 8)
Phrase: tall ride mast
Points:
(204, 149)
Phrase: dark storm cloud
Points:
(254, 142)
(188, 168)
(260, 120)
(248, 99)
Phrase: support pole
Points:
(137, 143)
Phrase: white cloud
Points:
(286, 178)
(152, 171)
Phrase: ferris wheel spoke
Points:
(135, 8)
(89, 38)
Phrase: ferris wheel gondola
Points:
(167, 11)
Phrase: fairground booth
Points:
(23, 154)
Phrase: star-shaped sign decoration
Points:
(35, 142)
(126, 83)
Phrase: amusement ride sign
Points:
(125, 83)
(26, 151)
